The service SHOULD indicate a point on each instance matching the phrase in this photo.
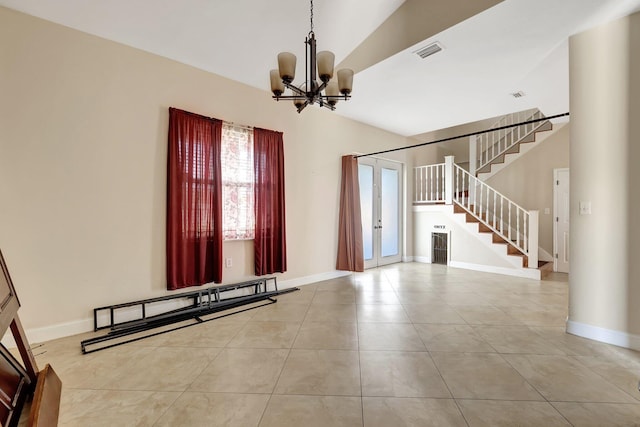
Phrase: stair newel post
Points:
(533, 239)
(448, 180)
(473, 154)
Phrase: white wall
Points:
(83, 130)
(605, 91)
(465, 245)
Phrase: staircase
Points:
(492, 151)
(503, 228)
(496, 239)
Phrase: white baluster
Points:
(509, 223)
(494, 209)
(533, 239)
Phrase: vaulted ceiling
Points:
(492, 48)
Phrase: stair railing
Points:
(491, 145)
(449, 183)
(429, 184)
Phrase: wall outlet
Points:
(228, 262)
(547, 211)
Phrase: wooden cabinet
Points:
(18, 379)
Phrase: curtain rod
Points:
(422, 144)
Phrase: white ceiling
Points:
(517, 45)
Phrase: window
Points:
(238, 216)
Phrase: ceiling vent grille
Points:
(518, 94)
(429, 50)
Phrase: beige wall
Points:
(528, 181)
(605, 131)
(83, 125)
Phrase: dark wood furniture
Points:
(19, 380)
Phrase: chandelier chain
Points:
(311, 16)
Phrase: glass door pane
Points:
(381, 208)
(365, 176)
(389, 213)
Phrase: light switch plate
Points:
(585, 208)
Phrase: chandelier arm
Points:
(303, 106)
(299, 92)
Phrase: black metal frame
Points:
(204, 302)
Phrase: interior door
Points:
(381, 207)
(561, 210)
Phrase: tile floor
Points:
(403, 345)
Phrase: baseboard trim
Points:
(526, 273)
(609, 336)
(422, 259)
(52, 332)
(407, 259)
(307, 280)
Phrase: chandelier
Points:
(310, 92)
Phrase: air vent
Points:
(429, 50)
(518, 94)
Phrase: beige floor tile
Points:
(164, 369)
(281, 312)
(312, 411)
(400, 374)
(625, 376)
(265, 334)
(242, 370)
(91, 371)
(331, 313)
(236, 362)
(452, 338)
(571, 344)
(455, 298)
(209, 334)
(327, 336)
(408, 286)
(482, 376)
(368, 297)
(381, 314)
(494, 413)
(516, 339)
(389, 336)
(215, 409)
(336, 285)
(373, 287)
(329, 297)
(303, 296)
(411, 412)
(427, 297)
(433, 313)
(109, 408)
(562, 378)
(485, 315)
(600, 414)
(320, 372)
(538, 316)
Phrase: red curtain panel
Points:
(194, 200)
(350, 252)
(270, 235)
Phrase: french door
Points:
(381, 207)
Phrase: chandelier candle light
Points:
(310, 92)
